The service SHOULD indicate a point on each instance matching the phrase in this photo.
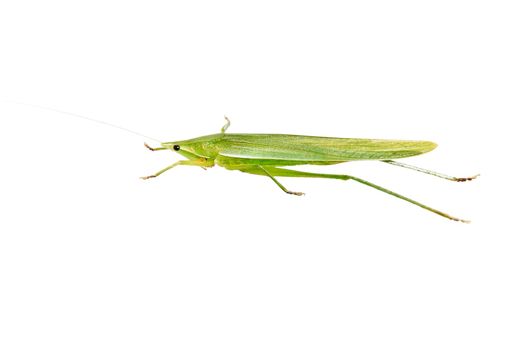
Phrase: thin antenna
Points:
(86, 118)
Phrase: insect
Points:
(267, 154)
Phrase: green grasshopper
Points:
(267, 154)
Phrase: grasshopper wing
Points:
(317, 149)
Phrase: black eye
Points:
(176, 148)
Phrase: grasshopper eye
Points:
(176, 147)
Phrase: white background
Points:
(91, 257)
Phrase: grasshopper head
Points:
(174, 146)
(204, 146)
(184, 148)
(181, 147)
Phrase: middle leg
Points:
(278, 183)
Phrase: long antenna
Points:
(86, 118)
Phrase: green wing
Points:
(317, 149)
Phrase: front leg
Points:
(202, 162)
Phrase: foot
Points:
(463, 179)
(295, 193)
(149, 147)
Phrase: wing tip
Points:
(427, 146)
